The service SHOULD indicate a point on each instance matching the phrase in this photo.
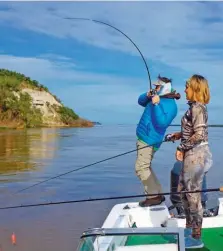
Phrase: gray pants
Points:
(144, 171)
(196, 163)
(175, 173)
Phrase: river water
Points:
(31, 156)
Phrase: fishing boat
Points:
(129, 227)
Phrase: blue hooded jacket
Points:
(155, 119)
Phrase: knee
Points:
(143, 174)
(141, 165)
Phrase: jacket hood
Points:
(172, 95)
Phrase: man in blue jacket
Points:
(159, 112)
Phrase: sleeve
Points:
(143, 99)
(161, 117)
(199, 126)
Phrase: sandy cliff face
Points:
(41, 97)
(47, 104)
(17, 110)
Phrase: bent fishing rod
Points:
(151, 90)
(111, 26)
(92, 164)
(111, 198)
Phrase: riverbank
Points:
(80, 123)
(25, 103)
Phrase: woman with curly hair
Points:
(196, 156)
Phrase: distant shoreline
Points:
(94, 124)
(208, 126)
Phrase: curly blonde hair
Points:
(200, 88)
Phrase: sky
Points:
(96, 70)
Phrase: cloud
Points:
(100, 97)
(186, 36)
(52, 67)
(175, 36)
(93, 96)
(55, 57)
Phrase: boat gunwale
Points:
(178, 231)
(133, 231)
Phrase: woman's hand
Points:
(176, 135)
(179, 155)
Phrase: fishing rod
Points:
(111, 198)
(167, 139)
(60, 175)
(104, 23)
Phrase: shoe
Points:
(152, 201)
(191, 242)
(207, 213)
(187, 232)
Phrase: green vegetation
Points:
(67, 115)
(16, 81)
(17, 109)
(20, 108)
(16, 106)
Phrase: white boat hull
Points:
(154, 216)
(129, 219)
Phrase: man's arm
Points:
(162, 118)
(143, 99)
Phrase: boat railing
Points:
(97, 239)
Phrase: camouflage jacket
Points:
(194, 127)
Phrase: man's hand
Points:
(173, 136)
(179, 155)
(149, 94)
(155, 99)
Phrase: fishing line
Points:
(83, 167)
(111, 198)
(104, 23)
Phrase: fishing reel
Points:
(170, 138)
(152, 92)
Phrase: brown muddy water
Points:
(30, 156)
